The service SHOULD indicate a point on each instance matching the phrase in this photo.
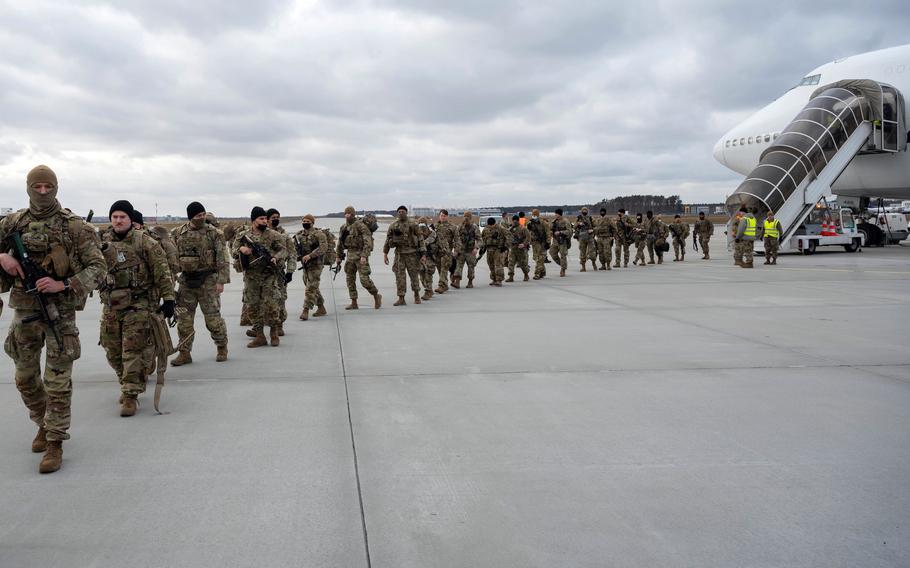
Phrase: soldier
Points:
(604, 230)
(540, 243)
(428, 233)
(227, 235)
(138, 220)
(650, 228)
(584, 234)
(745, 237)
(445, 242)
(562, 239)
(203, 272)
(355, 243)
(494, 245)
(466, 238)
(519, 240)
(772, 238)
(163, 237)
(311, 247)
(137, 277)
(505, 223)
(410, 251)
(640, 237)
(680, 231)
(67, 249)
(704, 228)
(734, 228)
(262, 253)
(661, 234)
(291, 267)
(623, 237)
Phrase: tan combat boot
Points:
(400, 301)
(222, 354)
(427, 295)
(456, 283)
(258, 341)
(273, 336)
(737, 262)
(280, 328)
(616, 265)
(416, 297)
(660, 260)
(353, 305)
(583, 269)
(496, 283)
(250, 333)
(608, 267)
(746, 265)
(470, 283)
(439, 290)
(510, 278)
(526, 277)
(184, 358)
(320, 311)
(537, 277)
(562, 272)
(127, 406)
(305, 314)
(707, 257)
(377, 301)
(39, 444)
(53, 457)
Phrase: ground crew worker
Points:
(467, 237)
(703, 231)
(772, 233)
(67, 248)
(540, 243)
(137, 277)
(745, 237)
(562, 239)
(410, 251)
(519, 241)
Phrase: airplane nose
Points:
(719, 152)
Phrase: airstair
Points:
(840, 121)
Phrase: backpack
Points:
(370, 221)
(329, 258)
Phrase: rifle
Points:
(480, 254)
(48, 311)
(260, 253)
(335, 270)
(91, 213)
(298, 246)
(165, 347)
(694, 243)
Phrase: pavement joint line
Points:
(347, 400)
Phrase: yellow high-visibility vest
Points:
(771, 229)
(750, 227)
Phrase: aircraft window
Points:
(728, 144)
(742, 141)
(750, 139)
(810, 80)
(734, 142)
(767, 138)
(758, 139)
(776, 134)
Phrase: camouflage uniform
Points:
(772, 244)
(312, 242)
(138, 276)
(680, 231)
(604, 231)
(289, 269)
(202, 266)
(559, 249)
(623, 238)
(261, 280)
(519, 241)
(445, 242)
(67, 248)
(355, 241)
(495, 242)
(584, 234)
(640, 236)
(540, 243)
(466, 237)
(163, 237)
(661, 232)
(404, 237)
(429, 267)
(704, 229)
(648, 226)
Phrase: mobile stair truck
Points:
(796, 172)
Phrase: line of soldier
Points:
(149, 280)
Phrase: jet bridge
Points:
(841, 120)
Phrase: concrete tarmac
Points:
(688, 414)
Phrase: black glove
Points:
(288, 277)
(167, 308)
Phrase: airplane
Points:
(868, 174)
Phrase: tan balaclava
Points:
(42, 205)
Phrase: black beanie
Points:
(257, 212)
(122, 205)
(491, 221)
(193, 209)
(272, 211)
(136, 217)
(401, 208)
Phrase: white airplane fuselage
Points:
(870, 175)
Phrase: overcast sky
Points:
(312, 105)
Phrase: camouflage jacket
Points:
(273, 241)
(660, 230)
(495, 237)
(63, 245)
(519, 235)
(703, 228)
(561, 230)
(467, 238)
(679, 230)
(356, 238)
(404, 237)
(584, 228)
(163, 238)
(291, 262)
(623, 226)
(540, 231)
(201, 250)
(604, 228)
(137, 271)
(445, 237)
(311, 242)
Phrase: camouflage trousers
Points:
(772, 247)
(126, 336)
(461, 260)
(282, 301)
(352, 268)
(407, 265)
(605, 250)
(587, 250)
(679, 248)
(560, 254)
(519, 257)
(494, 262)
(427, 269)
(540, 259)
(48, 400)
(622, 252)
(443, 264)
(209, 302)
(260, 291)
(703, 243)
(312, 274)
(640, 247)
(742, 250)
(650, 242)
